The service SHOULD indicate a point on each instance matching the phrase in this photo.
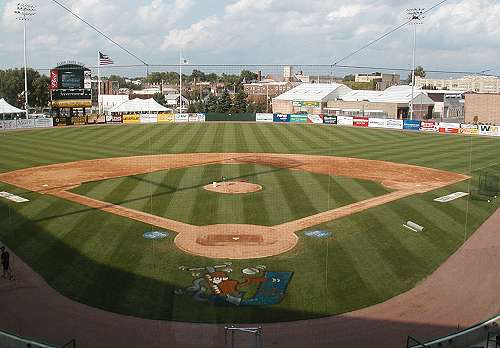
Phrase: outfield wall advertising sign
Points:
(25, 124)
(330, 119)
(469, 129)
(394, 124)
(377, 123)
(148, 118)
(201, 117)
(78, 120)
(281, 118)
(298, 118)
(345, 121)
(43, 123)
(9, 124)
(60, 121)
(360, 122)
(115, 119)
(317, 119)
(131, 119)
(193, 118)
(493, 131)
(268, 118)
(428, 126)
(413, 125)
(166, 118)
(181, 118)
(453, 128)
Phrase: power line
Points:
(385, 35)
(99, 31)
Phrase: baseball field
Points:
(238, 223)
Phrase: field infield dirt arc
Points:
(232, 241)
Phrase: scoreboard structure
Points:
(71, 92)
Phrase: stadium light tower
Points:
(415, 16)
(24, 13)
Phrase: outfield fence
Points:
(427, 126)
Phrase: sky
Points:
(461, 35)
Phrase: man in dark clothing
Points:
(5, 258)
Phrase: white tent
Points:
(140, 106)
(6, 108)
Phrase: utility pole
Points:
(416, 16)
(25, 12)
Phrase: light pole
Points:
(25, 12)
(415, 15)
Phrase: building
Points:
(393, 102)
(270, 89)
(380, 81)
(482, 108)
(448, 105)
(479, 84)
(309, 98)
(173, 100)
(288, 73)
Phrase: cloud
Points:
(247, 7)
(198, 35)
(348, 11)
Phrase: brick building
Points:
(482, 108)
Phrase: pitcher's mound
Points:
(233, 187)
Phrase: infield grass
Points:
(101, 259)
(178, 194)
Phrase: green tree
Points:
(191, 108)
(248, 76)
(224, 104)
(349, 77)
(198, 75)
(240, 102)
(12, 86)
(40, 95)
(419, 71)
(211, 104)
(159, 98)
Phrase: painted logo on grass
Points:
(319, 234)
(155, 235)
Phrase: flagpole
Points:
(180, 81)
(98, 83)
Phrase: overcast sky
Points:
(459, 35)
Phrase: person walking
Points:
(5, 259)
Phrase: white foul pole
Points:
(180, 82)
(98, 82)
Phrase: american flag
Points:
(104, 59)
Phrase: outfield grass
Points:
(102, 260)
(178, 194)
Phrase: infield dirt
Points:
(232, 241)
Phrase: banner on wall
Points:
(429, 126)
(148, 118)
(469, 129)
(360, 122)
(452, 128)
(164, 118)
(281, 118)
(131, 119)
(264, 118)
(60, 121)
(317, 119)
(25, 124)
(377, 123)
(201, 117)
(306, 104)
(9, 124)
(345, 121)
(193, 118)
(114, 119)
(96, 119)
(299, 118)
(181, 118)
(412, 125)
(394, 124)
(78, 120)
(493, 131)
(330, 119)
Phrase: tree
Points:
(239, 103)
(159, 98)
(248, 76)
(349, 77)
(191, 109)
(211, 104)
(224, 104)
(198, 75)
(419, 71)
(40, 92)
